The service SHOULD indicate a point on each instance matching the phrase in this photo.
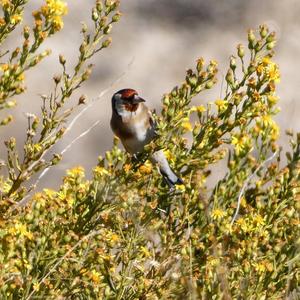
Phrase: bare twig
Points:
(76, 118)
(45, 171)
(246, 184)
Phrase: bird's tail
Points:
(168, 174)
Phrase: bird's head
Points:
(126, 100)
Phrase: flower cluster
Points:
(47, 128)
(12, 16)
(53, 11)
(268, 70)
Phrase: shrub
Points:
(123, 234)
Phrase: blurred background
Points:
(154, 43)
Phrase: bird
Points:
(132, 122)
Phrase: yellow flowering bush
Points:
(123, 234)
(48, 128)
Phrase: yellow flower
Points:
(5, 3)
(240, 143)
(258, 220)
(114, 237)
(4, 185)
(54, 8)
(227, 228)
(146, 168)
(169, 155)
(201, 108)
(193, 109)
(267, 122)
(70, 200)
(53, 11)
(256, 96)
(145, 251)
(15, 19)
(4, 67)
(127, 168)
(29, 235)
(36, 286)
(180, 187)
(221, 104)
(273, 72)
(95, 276)
(38, 22)
(186, 124)
(259, 69)
(43, 35)
(76, 172)
(100, 171)
(213, 261)
(268, 69)
(269, 266)
(243, 202)
(57, 22)
(21, 77)
(243, 224)
(272, 99)
(200, 246)
(274, 132)
(234, 140)
(259, 267)
(218, 214)
(37, 148)
(213, 62)
(37, 15)
(201, 145)
(27, 265)
(20, 229)
(50, 193)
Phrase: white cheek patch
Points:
(122, 111)
(120, 108)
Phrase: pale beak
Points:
(137, 99)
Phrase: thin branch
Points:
(45, 171)
(191, 281)
(76, 118)
(246, 184)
